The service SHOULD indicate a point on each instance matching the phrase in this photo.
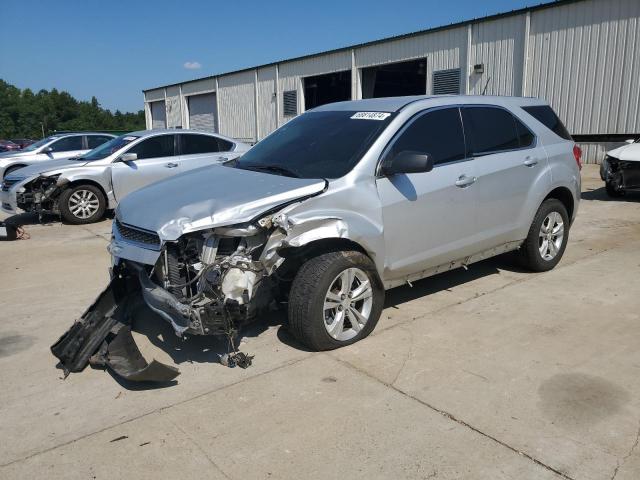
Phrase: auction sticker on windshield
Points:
(370, 115)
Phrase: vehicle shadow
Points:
(600, 194)
(208, 349)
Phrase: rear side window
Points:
(525, 137)
(438, 133)
(94, 141)
(192, 144)
(225, 145)
(545, 115)
(154, 147)
(68, 144)
(489, 130)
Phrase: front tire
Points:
(612, 191)
(82, 204)
(547, 238)
(336, 299)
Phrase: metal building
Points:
(583, 56)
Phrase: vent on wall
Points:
(290, 103)
(446, 82)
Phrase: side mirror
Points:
(47, 150)
(127, 157)
(408, 162)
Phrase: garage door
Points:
(202, 112)
(158, 115)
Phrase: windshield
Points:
(106, 149)
(38, 144)
(316, 144)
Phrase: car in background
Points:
(620, 169)
(55, 147)
(8, 146)
(82, 188)
(23, 142)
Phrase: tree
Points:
(24, 114)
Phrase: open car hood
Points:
(209, 197)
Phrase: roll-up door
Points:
(202, 112)
(158, 115)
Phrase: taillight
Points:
(577, 154)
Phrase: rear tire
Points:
(336, 299)
(547, 238)
(82, 204)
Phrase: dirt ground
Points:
(487, 373)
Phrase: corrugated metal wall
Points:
(266, 101)
(499, 46)
(583, 57)
(236, 99)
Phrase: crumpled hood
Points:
(210, 197)
(629, 152)
(48, 166)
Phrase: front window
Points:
(67, 144)
(38, 144)
(317, 144)
(108, 148)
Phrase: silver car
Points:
(82, 188)
(55, 147)
(329, 211)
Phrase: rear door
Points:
(429, 218)
(67, 147)
(508, 163)
(156, 160)
(198, 150)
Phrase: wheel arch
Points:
(564, 195)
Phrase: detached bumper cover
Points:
(102, 337)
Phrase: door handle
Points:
(464, 181)
(171, 165)
(530, 162)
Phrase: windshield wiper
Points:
(272, 168)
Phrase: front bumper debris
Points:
(102, 338)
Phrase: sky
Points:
(114, 49)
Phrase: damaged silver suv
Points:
(336, 206)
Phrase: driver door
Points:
(156, 161)
(429, 218)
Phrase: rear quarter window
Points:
(545, 115)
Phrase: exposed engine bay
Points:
(40, 195)
(210, 282)
(621, 175)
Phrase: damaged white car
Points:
(620, 169)
(336, 206)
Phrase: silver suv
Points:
(336, 206)
(55, 147)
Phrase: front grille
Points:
(137, 235)
(8, 183)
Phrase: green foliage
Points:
(23, 114)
